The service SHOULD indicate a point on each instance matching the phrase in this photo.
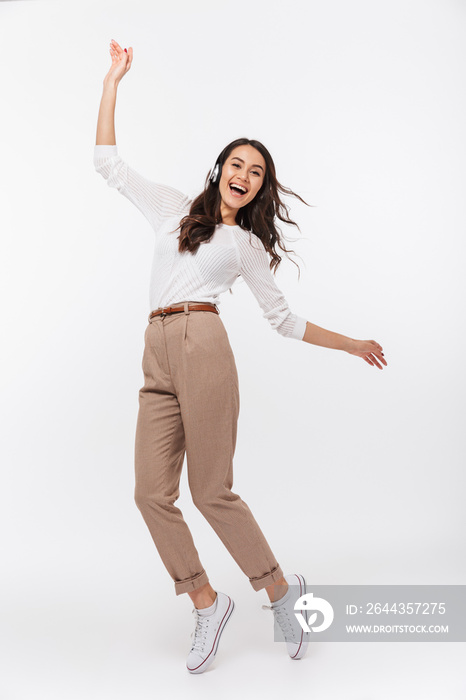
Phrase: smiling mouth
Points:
(236, 191)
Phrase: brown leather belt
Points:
(191, 306)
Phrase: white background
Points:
(355, 474)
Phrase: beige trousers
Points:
(189, 404)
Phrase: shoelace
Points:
(200, 633)
(281, 616)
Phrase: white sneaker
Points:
(296, 638)
(207, 634)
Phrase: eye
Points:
(254, 172)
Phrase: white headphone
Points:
(214, 175)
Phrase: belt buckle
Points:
(163, 314)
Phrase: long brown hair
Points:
(257, 217)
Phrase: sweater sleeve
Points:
(256, 272)
(155, 201)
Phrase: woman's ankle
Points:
(203, 597)
(277, 590)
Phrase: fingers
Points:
(374, 361)
(379, 356)
(372, 357)
(114, 53)
(116, 50)
(130, 58)
(376, 345)
(378, 353)
(118, 54)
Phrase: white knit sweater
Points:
(213, 269)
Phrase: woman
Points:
(189, 403)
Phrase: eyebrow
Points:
(254, 166)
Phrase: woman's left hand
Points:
(369, 350)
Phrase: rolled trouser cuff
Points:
(266, 580)
(191, 584)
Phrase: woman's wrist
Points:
(110, 85)
(349, 344)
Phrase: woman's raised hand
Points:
(369, 350)
(121, 62)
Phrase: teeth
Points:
(240, 187)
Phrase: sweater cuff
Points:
(105, 151)
(299, 328)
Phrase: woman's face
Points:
(242, 177)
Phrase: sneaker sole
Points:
(304, 644)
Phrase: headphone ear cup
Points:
(216, 174)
